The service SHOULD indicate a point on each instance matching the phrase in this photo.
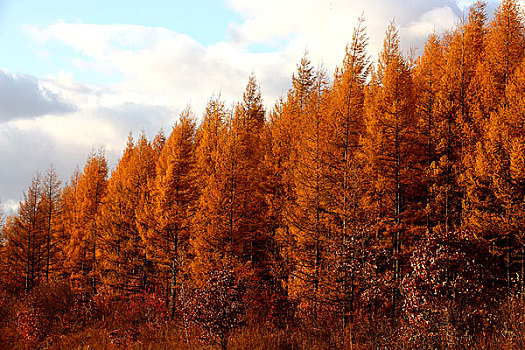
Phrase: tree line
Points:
(392, 191)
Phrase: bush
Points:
(50, 308)
(126, 318)
(452, 290)
(219, 307)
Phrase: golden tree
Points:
(26, 240)
(125, 264)
(306, 214)
(174, 193)
(51, 206)
(84, 203)
(343, 179)
(491, 178)
(232, 217)
(428, 92)
(390, 149)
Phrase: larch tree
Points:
(51, 206)
(210, 137)
(306, 215)
(345, 129)
(491, 176)
(67, 223)
(83, 249)
(145, 215)
(207, 139)
(428, 90)
(174, 194)
(248, 127)
(281, 194)
(125, 264)
(115, 221)
(282, 157)
(25, 239)
(456, 125)
(232, 216)
(495, 181)
(390, 146)
(505, 51)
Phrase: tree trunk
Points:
(48, 243)
(174, 273)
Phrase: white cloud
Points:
(438, 20)
(164, 68)
(22, 96)
(324, 27)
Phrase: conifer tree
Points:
(346, 127)
(51, 206)
(494, 180)
(390, 147)
(232, 220)
(429, 91)
(83, 249)
(126, 267)
(458, 122)
(492, 199)
(282, 157)
(505, 49)
(307, 213)
(248, 125)
(209, 148)
(25, 238)
(174, 193)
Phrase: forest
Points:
(381, 206)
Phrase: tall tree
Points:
(174, 193)
(85, 203)
(25, 245)
(232, 215)
(346, 127)
(505, 51)
(491, 177)
(457, 122)
(306, 215)
(390, 147)
(51, 206)
(125, 263)
(210, 138)
(282, 157)
(428, 90)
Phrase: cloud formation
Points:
(24, 97)
(162, 67)
(326, 26)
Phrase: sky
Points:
(79, 75)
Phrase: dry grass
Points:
(509, 334)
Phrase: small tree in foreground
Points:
(452, 290)
(218, 308)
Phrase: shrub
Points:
(219, 307)
(451, 291)
(127, 317)
(48, 308)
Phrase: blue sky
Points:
(204, 20)
(76, 75)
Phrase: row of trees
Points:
(392, 187)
